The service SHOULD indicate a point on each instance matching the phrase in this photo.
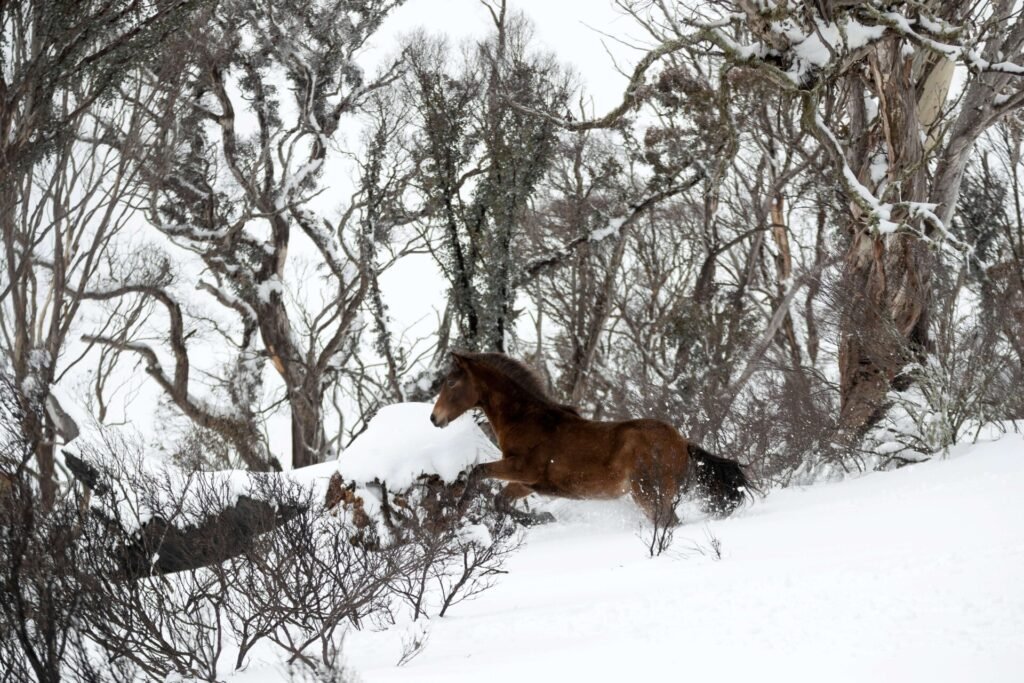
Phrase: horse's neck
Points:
(499, 407)
(503, 408)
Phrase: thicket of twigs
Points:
(276, 574)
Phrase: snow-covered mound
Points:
(912, 575)
(400, 444)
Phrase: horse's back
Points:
(651, 433)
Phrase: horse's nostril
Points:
(433, 420)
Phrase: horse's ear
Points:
(459, 358)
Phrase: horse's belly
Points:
(568, 482)
(580, 492)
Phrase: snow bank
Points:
(400, 444)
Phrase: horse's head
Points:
(458, 393)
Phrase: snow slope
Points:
(910, 575)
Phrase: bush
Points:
(151, 572)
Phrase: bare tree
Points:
(243, 202)
(873, 88)
(60, 198)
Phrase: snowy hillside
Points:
(910, 575)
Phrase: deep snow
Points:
(907, 575)
(912, 575)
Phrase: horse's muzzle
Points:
(436, 422)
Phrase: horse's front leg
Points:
(504, 470)
(510, 468)
(514, 491)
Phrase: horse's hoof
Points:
(544, 517)
(534, 518)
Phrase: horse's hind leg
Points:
(656, 495)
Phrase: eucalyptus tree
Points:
(252, 100)
(872, 83)
(63, 192)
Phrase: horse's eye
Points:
(452, 383)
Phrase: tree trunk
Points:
(308, 437)
(888, 276)
(884, 322)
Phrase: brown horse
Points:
(548, 448)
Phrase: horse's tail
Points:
(718, 481)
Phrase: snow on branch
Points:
(877, 213)
(226, 298)
(966, 55)
(792, 56)
(613, 227)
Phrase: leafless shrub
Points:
(413, 644)
(459, 538)
(44, 586)
(710, 547)
(298, 587)
(319, 584)
(660, 496)
(163, 623)
(477, 555)
(38, 600)
(332, 669)
(41, 596)
(148, 572)
(657, 537)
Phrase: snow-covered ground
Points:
(913, 575)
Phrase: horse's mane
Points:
(522, 376)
